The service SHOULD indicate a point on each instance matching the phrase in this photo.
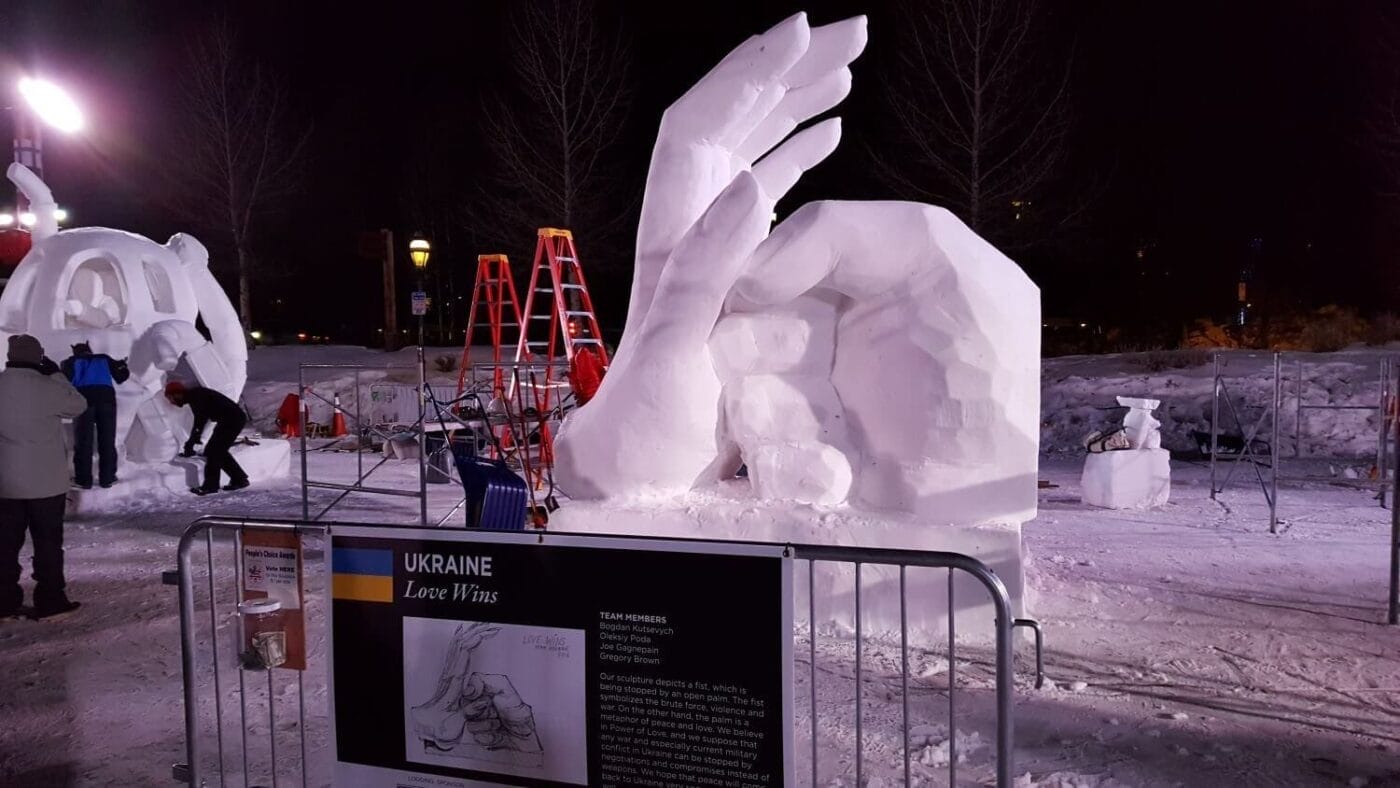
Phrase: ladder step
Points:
(541, 317)
(570, 286)
(544, 290)
(587, 341)
(563, 259)
(537, 343)
(575, 313)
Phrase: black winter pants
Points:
(43, 519)
(102, 418)
(217, 458)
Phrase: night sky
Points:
(1212, 138)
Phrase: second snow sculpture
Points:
(876, 354)
(1126, 467)
(127, 296)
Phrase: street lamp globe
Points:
(53, 106)
(418, 251)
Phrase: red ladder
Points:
(563, 307)
(495, 292)
(569, 303)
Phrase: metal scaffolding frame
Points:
(1274, 416)
(361, 430)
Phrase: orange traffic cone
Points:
(338, 429)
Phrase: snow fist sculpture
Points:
(879, 354)
(128, 297)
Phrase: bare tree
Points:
(552, 130)
(238, 149)
(979, 118)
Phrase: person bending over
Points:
(209, 405)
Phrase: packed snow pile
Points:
(1078, 397)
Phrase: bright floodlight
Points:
(60, 215)
(51, 104)
(28, 219)
(6, 219)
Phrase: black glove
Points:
(47, 367)
(189, 450)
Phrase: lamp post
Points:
(418, 251)
(43, 103)
(50, 104)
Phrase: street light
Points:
(47, 105)
(418, 251)
(53, 106)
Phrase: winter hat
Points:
(82, 349)
(174, 387)
(25, 349)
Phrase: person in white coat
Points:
(35, 475)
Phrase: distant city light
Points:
(52, 104)
(256, 335)
(28, 219)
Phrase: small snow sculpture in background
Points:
(1127, 468)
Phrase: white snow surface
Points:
(1186, 646)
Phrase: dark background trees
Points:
(1194, 129)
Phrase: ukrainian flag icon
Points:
(361, 575)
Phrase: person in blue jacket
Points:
(95, 376)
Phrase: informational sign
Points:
(529, 659)
(272, 568)
(420, 302)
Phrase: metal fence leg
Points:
(301, 723)
(214, 649)
(860, 742)
(1277, 455)
(904, 671)
(1394, 616)
(188, 645)
(812, 651)
(952, 685)
(272, 726)
(1006, 729)
(1214, 418)
(242, 674)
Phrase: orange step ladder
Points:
(559, 316)
(495, 293)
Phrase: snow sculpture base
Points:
(731, 513)
(269, 461)
(1130, 479)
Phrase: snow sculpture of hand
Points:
(877, 353)
(128, 297)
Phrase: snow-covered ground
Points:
(1187, 646)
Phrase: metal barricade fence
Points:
(245, 756)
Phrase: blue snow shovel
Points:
(497, 498)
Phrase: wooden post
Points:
(391, 301)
